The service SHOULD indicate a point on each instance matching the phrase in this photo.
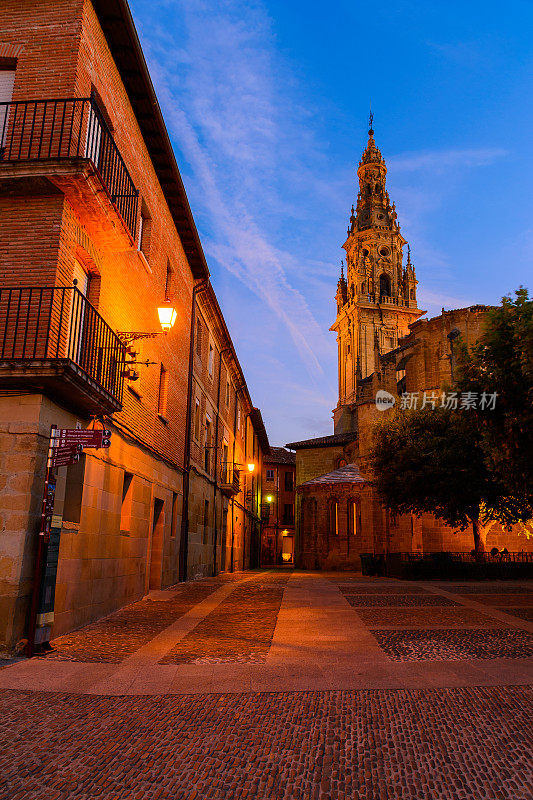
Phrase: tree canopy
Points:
(502, 361)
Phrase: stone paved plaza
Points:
(281, 685)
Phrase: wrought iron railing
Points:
(46, 323)
(468, 557)
(230, 477)
(65, 129)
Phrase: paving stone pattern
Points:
(350, 588)
(490, 588)
(503, 599)
(522, 613)
(239, 629)
(381, 600)
(427, 618)
(337, 745)
(112, 639)
(454, 645)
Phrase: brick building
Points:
(97, 234)
(227, 444)
(279, 482)
(382, 345)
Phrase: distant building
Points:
(279, 477)
(96, 235)
(382, 345)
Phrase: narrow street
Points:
(278, 684)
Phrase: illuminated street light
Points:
(269, 498)
(167, 316)
(251, 467)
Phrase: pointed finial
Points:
(370, 121)
(342, 270)
(408, 254)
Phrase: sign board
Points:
(89, 439)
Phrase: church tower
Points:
(376, 301)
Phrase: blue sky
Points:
(267, 105)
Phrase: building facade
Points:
(383, 345)
(279, 484)
(228, 442)
(97, 234)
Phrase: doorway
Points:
(156, 551)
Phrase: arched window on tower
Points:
(411, 294)
(384, 285)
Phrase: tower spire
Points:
(371, 121)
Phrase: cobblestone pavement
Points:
(280, 686)
(377, 600)
(437, 617)
(367, 745)
(112, 639)
(522, 613)
(454, 645)
(493, 587)
(240, 629)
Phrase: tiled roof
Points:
(348, 474)
(278, 455)
(324, 441)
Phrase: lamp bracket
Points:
(132, 336)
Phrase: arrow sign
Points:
(64, 456)
(91, 439)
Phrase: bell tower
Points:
(376, 301)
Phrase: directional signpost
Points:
(65, 447)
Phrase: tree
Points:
(501, 362)
(432, 460)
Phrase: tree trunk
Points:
(480, 536)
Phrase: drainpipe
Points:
(215, 484)
(184, 537)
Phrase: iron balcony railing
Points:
(58, 324)
(65, 129)
(230, 478)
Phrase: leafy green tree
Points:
(501, 362)
(432, 460)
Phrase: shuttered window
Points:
(7, 81)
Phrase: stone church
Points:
(383, 344)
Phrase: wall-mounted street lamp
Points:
(167, 317)
(269, 498)
(251, 467)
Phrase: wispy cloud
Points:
(439, 161)
(227, 110)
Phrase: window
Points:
(198, 338)
(227, 392)
(207, 444)
(270, 475)
(334, 517)
(288, 514)
(225, 469)
(7, 81)
(168, 281)
(163, 392)
(206, 522)
(238, 416)
(211, 360)
(174, 523)
(197, 420)
(125, 509)
(353, 512)
(384, 285)
(145, 229)
(289, 484)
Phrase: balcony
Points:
(52, 340)
(230, 480)
(68, 130)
